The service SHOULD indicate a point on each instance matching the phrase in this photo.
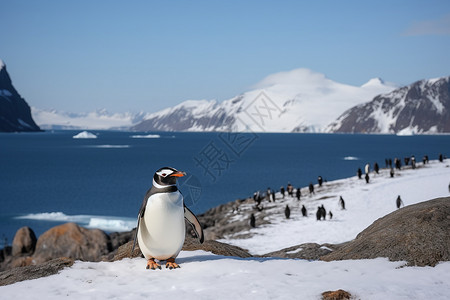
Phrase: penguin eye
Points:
(163, 174)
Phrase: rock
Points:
(24, 242)
(15, 113)
(73, 241)
(5, 253)
(418, 234)
(32, 272)
(336, 295)
(220, 221)
(218, 248)
(309, 251)
(21, 261)
(190, 244)
(124, 251)
(120, 238)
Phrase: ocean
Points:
(50, 178)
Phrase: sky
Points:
(79, 56)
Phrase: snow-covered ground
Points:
(207, 276)
(364, 204)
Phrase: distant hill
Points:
(422, 107)
(15, 114)
(51, 119)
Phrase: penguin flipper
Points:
(140, 215)
(192, 219)
(135, 235)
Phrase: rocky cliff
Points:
(15, 114)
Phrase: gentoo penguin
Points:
(160, 229)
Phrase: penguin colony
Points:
(321, 212)
(160, 228)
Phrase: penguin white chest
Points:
(162, 229)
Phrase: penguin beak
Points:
(177, 174)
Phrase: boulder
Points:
(24, 242)
(418, 234)
(73, 241)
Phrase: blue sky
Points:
(147, 55)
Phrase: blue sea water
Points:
(50, 178)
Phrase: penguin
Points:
(160, 229)
(342, 202)
(318, 213)
(304, 212)
(252, 221)
(399, 201)
(323, 212)
(287, 212)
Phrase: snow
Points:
(85, 135)
(301, 97)
(207, 276)
(386, 109)
(364, 204)
(408, 131)
(23, 123)
(147, 136)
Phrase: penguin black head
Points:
(167, 176)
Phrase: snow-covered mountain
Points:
(15, 113)
(300, 100)
(422, 107)
(100, 119)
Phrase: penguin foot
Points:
(170, 263)
(151, 264)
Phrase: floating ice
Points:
(85, 135)
(106, 223)
(148, 136)
(351, 158)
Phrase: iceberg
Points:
(148, 136)
(85, 135)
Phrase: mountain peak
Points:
(296, 77)
(374, 82)
(15, 114)
(422, 107)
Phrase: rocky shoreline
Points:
(418, 234)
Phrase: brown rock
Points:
(24, 242)
(218, 248)
(418, 234)
(336, 295)
(309, 251)
(73, 241)
(32, 272)
(190, 244)
(124, 251)
(21, 262)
